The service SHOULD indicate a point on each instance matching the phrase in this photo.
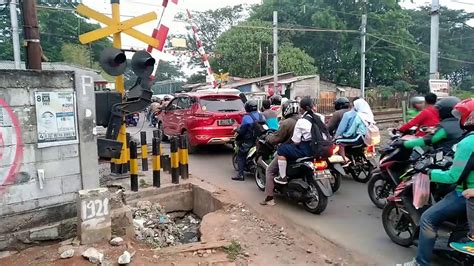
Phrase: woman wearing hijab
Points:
(355, 134)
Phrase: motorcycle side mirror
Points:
(419, 150)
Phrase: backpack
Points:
(259, 126)
(372, 136)
(321, 143)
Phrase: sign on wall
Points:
(439, 87)
(56, 118)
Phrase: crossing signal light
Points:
(143, 64)
(113, 61)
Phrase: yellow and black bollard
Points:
(133, 166)
(127, 153)
(174, 160)
(156, 161)
(144, 148)
(183, 156)
(156, 133)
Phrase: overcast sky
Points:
(137, 7)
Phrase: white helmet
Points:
(290, 108)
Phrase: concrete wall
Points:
(306, 87)
(23, 202)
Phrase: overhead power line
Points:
(296, 29)
(420, 51)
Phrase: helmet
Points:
(341, 103)
(445, 106)
(464, 111)
(290, 108)
(417, 100)
(306, 104)
(275, 100)
(251, 106)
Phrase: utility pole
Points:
(32, 37)
(15, 37)
(363, 36)
(434, 39)
(275, 52)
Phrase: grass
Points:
(233, 250)
(143, 183)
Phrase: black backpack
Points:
(259, 126)
(321, 143)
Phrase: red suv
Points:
(206, 118)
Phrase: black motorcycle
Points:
(309, 180)
(401, 220)
(362, 162)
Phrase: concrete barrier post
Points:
(127, 152)
(144, 149)
(183, 156)
(156, 162)
(133, 166)
(94, 222)
(174, 160)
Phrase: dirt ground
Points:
(251, 239)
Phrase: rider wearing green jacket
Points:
(454, 203)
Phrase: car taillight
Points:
(320, 165)
(203, 119)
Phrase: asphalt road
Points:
(350, 219)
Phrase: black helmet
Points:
(290, 108)
(306, 104)
(275, 100)
(341, 103)
(445, 106)
(251, 106)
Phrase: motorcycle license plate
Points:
(324, 174)
(336, 159)
(225, 122)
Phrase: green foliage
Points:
(233, 250)
(292, 59)
(196, 78)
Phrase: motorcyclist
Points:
(301, 146)
(270, 115)
(446, 134)
(346, 120)
(341, 105)
(453, 204)
(275, 102)
(291, 110)
(416, 105)
(429, 117)
(154, 108)
(246, 136)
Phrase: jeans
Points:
(241, 160)
(470, 215)
(271, 172)
(452, 205)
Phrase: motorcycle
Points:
(362, 161)
(336, 168)
(132, 119)
(393, 165)
(401, 220)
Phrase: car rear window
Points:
(222, 104)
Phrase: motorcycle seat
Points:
(304, 159)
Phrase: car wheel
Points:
(191, 149)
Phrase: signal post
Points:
(114, 26)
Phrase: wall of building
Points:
(25, 202)
(307, 87)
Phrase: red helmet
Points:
(464, 111)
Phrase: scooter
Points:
(362, 161)
(401, 220)
(310, 180)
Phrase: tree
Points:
(196, 78)
(238, 51)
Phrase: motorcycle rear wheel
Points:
(234, 161)
(335, 181)
(361, 170)
(318, 204)
(260, 177)
(395, 226)
(379, 190)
